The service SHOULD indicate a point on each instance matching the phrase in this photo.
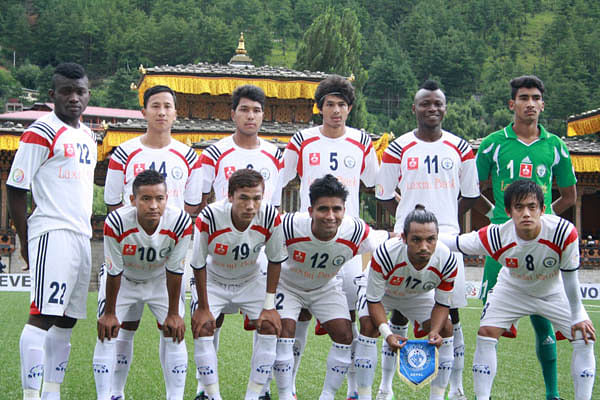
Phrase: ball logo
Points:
(550, 262)
(413, 163)
(221, 249)
(349, 162)
(265, 173)
(137, 168)
(299, 256)
(228, 171)
(525, 171)
(447, 163)
(129, 249)
(179, 369)
(176, 173)
(36, 372)
(69, 150)
(417, 358)
(205, 370)
(339, 260)
(314, 158)
(100, 368)
(18, 175)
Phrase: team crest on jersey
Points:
(314, 158)
(228, 171)
(540, 171)
(396, 280)
(299, 256)
(349, 162)
(137, 168)
(164, 252)
(176, 173)
(221, 249)
(339, 260)
(550, 262)
(526, 170)
(265, 173)
(69, 150)
(18, 175)
(512, 262)
(413, 163)
(428, 285)
(129, 249)
(258, 247)
(447, 163)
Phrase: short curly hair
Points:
(336, 85)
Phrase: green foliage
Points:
(9, 86)
(27, 74)
(465, 119)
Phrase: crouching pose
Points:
(141, 241)
(415, 276)
(536, 250)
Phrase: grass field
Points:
(519, 375)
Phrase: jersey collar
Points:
(510, 133)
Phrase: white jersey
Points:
(530, 265)
(128, 249)
(231, 256)
(177, 163)
(430, 173)
(311, 155)
(57, 162)
(392, 274)
(312, 262)
(222, 159)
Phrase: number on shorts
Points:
(487, 304)
(57, 287)
(279, 297)
(529, 262)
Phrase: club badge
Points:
(417, 364)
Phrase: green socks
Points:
(545, 348)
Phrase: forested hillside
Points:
(472, 47)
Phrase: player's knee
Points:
(454, 315)
(130, 325)
(367, 327)
(486, 331)
(341, 333)
(41, 321)
(398, 318)
(288, 328)
(446, 330)
(266, 328)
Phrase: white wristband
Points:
(269, 301)
(385, 330)
(490, 213)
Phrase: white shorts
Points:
(505, 305)
(351, 272)
(60, 263)
(133, 295)
(194, 300)
(325, 303)
(459, 293)
(247, 297)
(416, 309)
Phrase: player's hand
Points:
(271, 317)
(203, 323)
(174, 327)
(587, 330)
(108, 327)
(396, 341)
(435, 339)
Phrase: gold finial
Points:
(241, 49)
(133, 86)
(142, 69)
(104, 125)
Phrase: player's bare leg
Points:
(339, 358)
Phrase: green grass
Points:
(519, 375)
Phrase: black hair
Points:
(68, 70)
(336, 85)
(251, 92)
(327, 186)
(159, 89)
(430, 85)
(525, 81)
(148, 177)
(519, 190)
(244, 178)
(420, 216)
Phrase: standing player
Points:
(540, 256)
(525, 150)
(145, 243)
(404, 275)
(435, 168)
(332, 148)
(56, 159)
(229, 237)
(243, 149)
(179, 165)
(319, 243)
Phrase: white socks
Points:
(365, 362)
(299, 345)
(104, 366)
(124, 351)
(456, 384)
(438, 385)
(206, 365)
(57, 348)
(263, 357)
(338, 362)
(351, 377)
(175, 367)
(31, 346)
(484, 366)
(388, 359)
(282, 369)
(583, 367)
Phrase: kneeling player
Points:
(404, 275)
(318, 244)
(141, 241)
(229, 236)
(535, 250)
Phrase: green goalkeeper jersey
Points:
(505, 159)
